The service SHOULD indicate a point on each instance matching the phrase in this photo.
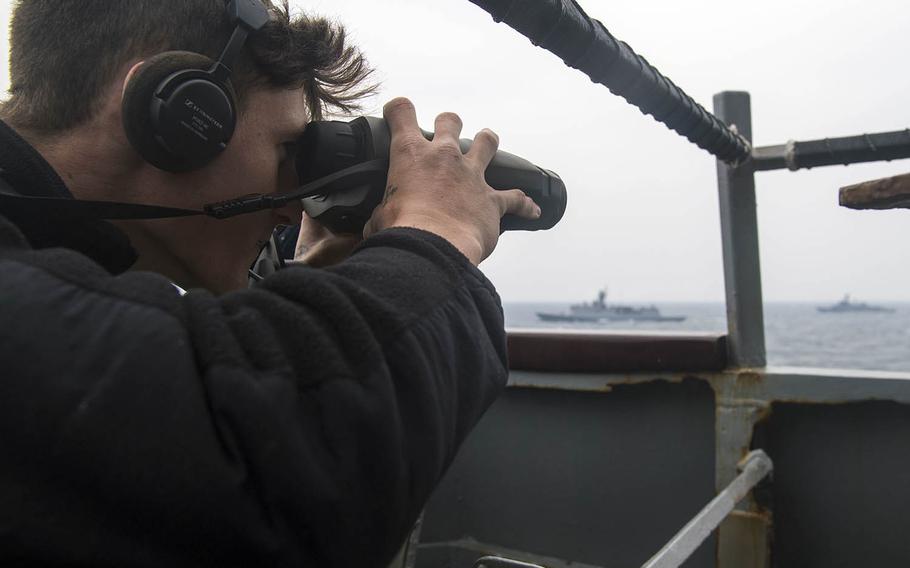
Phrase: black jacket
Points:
(301, 423)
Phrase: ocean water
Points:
(796, 334)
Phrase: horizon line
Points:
(703, 301)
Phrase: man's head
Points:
(64, 55)
(70, 64)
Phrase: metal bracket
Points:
(755, 467)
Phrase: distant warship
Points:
(598, 310)
(846, 305)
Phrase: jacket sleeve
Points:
(301, 423)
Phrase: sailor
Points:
(303, 422)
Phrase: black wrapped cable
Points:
(851, 150)
(883, 146)
(583, 43)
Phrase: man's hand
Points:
(318, 247)
(434, 187)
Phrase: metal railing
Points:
(564, 29)
(884, 146)
(755, 467)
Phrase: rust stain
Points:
(608, 386)
(749, 379)
(629, 380)
(762, 515)
(763, 414)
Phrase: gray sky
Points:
(643, 215)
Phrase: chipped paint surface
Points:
(783, 384)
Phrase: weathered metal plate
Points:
(598, 478)
(841, 489)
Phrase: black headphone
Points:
(179, 109)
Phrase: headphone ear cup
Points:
(139, 120)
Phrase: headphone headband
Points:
(249, 16)
(251, 13)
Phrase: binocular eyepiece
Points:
(354, 158)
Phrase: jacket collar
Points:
(28, 173)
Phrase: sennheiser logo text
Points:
(198, 110)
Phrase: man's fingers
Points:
(484, 147)
(448, 128)
(401, 116)
(515, 202)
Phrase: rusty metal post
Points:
(739, 235)
(743, 537)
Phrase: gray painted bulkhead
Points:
(601, 478)
(594, 470)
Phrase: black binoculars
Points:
(343, 168)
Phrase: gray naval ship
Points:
(598, 310)
(846, 305)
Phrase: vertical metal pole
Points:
(739, 234)
(742, 539)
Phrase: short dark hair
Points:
(63, 55)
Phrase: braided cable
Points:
(563, 28)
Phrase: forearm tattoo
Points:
(389, 192)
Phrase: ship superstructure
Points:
(847, 306)
(599, 311)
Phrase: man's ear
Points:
(129, 76)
